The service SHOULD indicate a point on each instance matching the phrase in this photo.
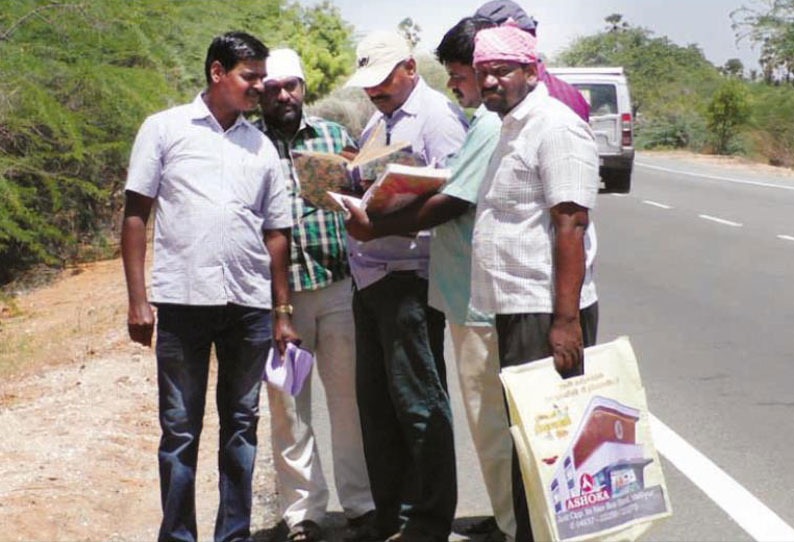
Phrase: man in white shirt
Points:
(406, 420)
(219, 191)
(534, 244)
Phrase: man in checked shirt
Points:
(534, 242)
(322, 298)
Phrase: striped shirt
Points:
(318, 253)
(216, 192)
(564, 92)
(546, 155)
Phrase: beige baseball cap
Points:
(376, 56)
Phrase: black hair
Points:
(457, 45)
(231, 48)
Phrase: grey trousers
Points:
(523, 338)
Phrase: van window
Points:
(603, 98)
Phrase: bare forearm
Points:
(133, 254)
(422, 214)
(569, 260)
(569, 270)
(278, 243)
(140, 318)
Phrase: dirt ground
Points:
(78, 418)
(78, 415)
(735, 164)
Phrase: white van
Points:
(607, 92)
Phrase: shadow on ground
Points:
(334, 530)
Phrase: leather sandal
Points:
(305, 531)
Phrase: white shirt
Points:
(215, 192)
(435, 128)
(546, 155)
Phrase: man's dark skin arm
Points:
(565, 337)
(140, 316)
(277, 243)
(422, 214)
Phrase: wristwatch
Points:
(283, 309)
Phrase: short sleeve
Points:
(568, 162)
(275, 204)
(146, 160)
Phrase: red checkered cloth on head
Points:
(505, 43)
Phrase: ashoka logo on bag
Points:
(587, 499)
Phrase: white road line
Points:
(619, 195)
(752, 515)
(721, 221)
(656, 204)
(786, 237)
(717, 177)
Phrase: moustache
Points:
(379, 97)
(492, 90)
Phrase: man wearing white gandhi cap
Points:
(322, 302)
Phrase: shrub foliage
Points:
(80, 77)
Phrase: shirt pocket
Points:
(518, 184)
(250, 187)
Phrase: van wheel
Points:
(618, 181)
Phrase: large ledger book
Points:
(318, 172)
(400, 185)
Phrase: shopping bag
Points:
(589, 466)
(288, 372)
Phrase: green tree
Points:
(79, 78)
(615, 22)
(727, 111)
(733, 68)
(662, 74)
(769, 24)
(411, 31)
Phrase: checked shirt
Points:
(318, 253)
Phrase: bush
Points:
(771, 123)
(78, 80)
(672, 131)
(350, 107)
(727, 111)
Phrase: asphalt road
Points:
(709, 307)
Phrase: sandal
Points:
(305, 531)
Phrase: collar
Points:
(413, 105)
(306, 123)
(479, 112)
(200, 111)
(528, 104)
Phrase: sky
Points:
(705, 22)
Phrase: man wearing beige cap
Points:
(400, 374)
(322, 299)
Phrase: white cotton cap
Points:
(283, 64)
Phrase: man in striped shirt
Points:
(534, 244)
(322, 298)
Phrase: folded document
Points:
(288, 373)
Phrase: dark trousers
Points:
(242, 338)
(523, 338)
(406, 420)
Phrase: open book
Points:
(319, 172)
(399, 185)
